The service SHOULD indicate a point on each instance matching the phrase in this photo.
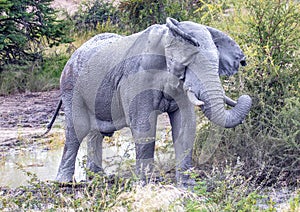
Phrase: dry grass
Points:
(156, 198)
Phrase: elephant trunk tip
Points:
(236, 115)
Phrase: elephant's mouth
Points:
(193, 98)
(198, 102)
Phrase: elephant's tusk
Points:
(230, 101)
(194, 99)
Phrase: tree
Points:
(26, 27)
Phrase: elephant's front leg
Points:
(183, 124)
(144, 132)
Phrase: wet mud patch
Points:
(24, 116)
(23, 119)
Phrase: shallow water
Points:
(44, 162)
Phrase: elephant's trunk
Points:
(211, 93)
(237, 114)
(214, 110)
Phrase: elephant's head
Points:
(197, 55)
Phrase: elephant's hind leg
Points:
(94, 151)
(77, 127)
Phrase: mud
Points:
(25, 115)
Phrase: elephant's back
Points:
(79, 59)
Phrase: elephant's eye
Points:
(243, 62)
(182, 76)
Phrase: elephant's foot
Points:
(91, 166)
(93, 169)
(65, 177)
(184, 180)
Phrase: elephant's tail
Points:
(49, 125)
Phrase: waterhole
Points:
(118, 154)
(44, 162)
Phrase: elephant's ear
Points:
(179, 48)
(230, 54)
(172, 24)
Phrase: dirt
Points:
(70, 6)
(25, 114)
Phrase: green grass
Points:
(39, 76)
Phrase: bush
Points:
(93, 14)
(268, 142)
(137, 15)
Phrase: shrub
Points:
(91, 14)
(268, 142)
(34, 76)
(137, 15)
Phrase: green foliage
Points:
(231, 190)
(273, 80)
(137, 15)
(93, 14)
(12, 80)
(268, 141)
(295, 203)
(25, 28)
(37, 76)
(274, 32)
(53, 64)
(211, 11)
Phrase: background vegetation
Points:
(27, 28)
(268, 142)
(266, 148)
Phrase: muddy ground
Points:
(25, 115)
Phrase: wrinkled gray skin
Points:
(112, 82)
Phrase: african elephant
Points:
(115, 81)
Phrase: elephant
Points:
(115, 81)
